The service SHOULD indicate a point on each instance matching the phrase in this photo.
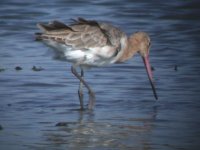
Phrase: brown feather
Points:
(81, 33)
(59, 25)
(82, 21)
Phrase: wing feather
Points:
(82, 33)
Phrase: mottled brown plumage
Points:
(81, 34)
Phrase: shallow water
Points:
(126, 115)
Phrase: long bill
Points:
(150, 75)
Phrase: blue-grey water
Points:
(126, 115)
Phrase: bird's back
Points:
(84, 42)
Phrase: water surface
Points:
(126, 115)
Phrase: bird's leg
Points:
(80, 91)
(91, 93)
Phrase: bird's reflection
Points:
(87, 132)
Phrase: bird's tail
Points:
(38, 36)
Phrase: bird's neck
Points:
(129, 51)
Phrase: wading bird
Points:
(88, 43)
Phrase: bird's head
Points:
(141, 42)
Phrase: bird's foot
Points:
(91, 100)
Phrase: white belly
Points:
(98, 56)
